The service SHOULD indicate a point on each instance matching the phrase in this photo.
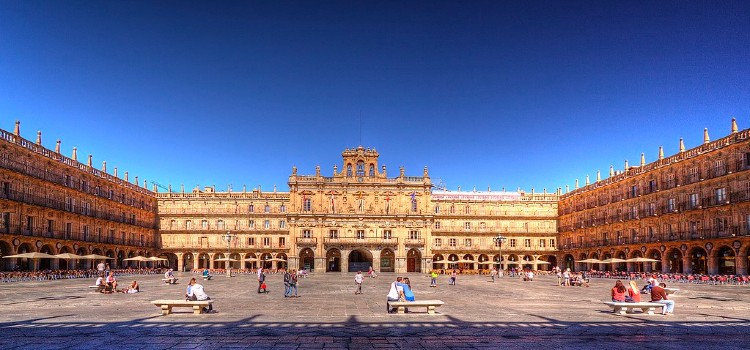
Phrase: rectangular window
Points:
(437, 209)
(693, 200)
(542, 243)
(527, 243)
(467, 225)
(266, 224)
(251, 223)
(50, 227)
(204, 224)
(387, 234)
(437, 225)
(250, 208)
(671, 205)
(552, 243)
(30, 224)
(282, 208)
(251, 241)
(512, 243)
(452, 242)
(413, 234)
(467, 242)
(306, 234)
(438, 242)
(282, 224)
(68, 230)
(306, 204)
(267, 208)
(282, 242)
(267, 241)
(333, 234)
(721, 195)
(85, 233)
(360, 234)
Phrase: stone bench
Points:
(167, 305)
(167, 280)
(623, 308)
(402, 305)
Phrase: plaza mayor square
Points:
(374, 175)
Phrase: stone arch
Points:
(438, 262)
(25, 264)
(188, 261)
(725, 260)
(674, 261)
(333, 260)
(307, 259)
(414, 260)
(46, 264)
(483, 261)
(5, 250)
(203, 261)
(569, 262)
(119, 258)
(551, 259)
(387, 260)
(698, 260)
(654, 266)
(359, 259)
(621, 266)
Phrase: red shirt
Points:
(617, 295)
(636, 295)
(658, 293)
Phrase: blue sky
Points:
(485, 93)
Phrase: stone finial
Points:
(274, 188)
(734, 125)
(425, 173)
(626, 165)
(545, 190)
(559, 191)
(643, 159)
(182, 188)
(532, 190)
(145, 184)
(104, 166)
(567, 188)
(154, 188)
(294, 170)
(57, 146)
(385, 173)
(126, 176)
(136, 181)
(576, 184)
(244, 188)
(115, 172)
(39, 137)
(706, 139)
(661, 152)
(75, 153)
(611, 171)
(90, 159)
(682, 145)
(17, 128)
(401, 171)
(587, 180)
(598, 175)
(317, 170)
(169, 188)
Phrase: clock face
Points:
(360, 179)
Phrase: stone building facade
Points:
(53, 204)
(689, 212)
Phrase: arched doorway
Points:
(265, 263)
(496, 260)
(23, 263)
(413, 261)
(360, 260)
(45, 264)
(307, 259)
(438, 262)
(674, 259)
(551, 259)
(654, 266)
(726, 262)
(5, 250)
(120, 258)
(333, 260)
(387, 261)
(204, 262)
(188, 261)
(484, 262)
(83, 263)
(250, 261)
(698, 260)
(281, 261)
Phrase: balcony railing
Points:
(360, 241)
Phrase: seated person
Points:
(100, 284)
(132, 288)
(263, 288)
(633, 292)
(618, 292)
(206, 275)
(659, 295)
(111, 283)
(195, 291)
(169, 276)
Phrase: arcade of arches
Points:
(725, 259)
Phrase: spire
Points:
(706, 139)
(587, 179)
(598, 175)
(576, 183)
(57, 146)
(682, 145)
(104, 166)
(17, 129)
(734, 125)
(611, 171)
(75, 154)
(90, 158)
(661, 152)
(39, 137)
(643, 159)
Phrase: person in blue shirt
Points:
(408, 294)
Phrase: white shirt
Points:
(395, 291)
(358, 278)
(99, 281)
(100, 267)
(198, 291)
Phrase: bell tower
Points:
(360, 163)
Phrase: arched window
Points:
(348, 170)
(360, 168)
(372, 170)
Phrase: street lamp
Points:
(499, 240)
(228, 237)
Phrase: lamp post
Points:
(228, 237)
(499, 240)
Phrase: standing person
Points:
(659, 295)
(261, 279)
(395, 293)
(433, 278)
(100, 267)
(558, 272)
(287, 285)
(493, 274)
(358, 278)
(453, 278)
(106, 269)
(566, 277)
(196, 292)
(293, 284)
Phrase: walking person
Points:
(261, 279)
(287, 285)
(293, 284)
(493, 274)
(358, 278)
(433, 278)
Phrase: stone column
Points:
(740, 264)
(180, 262)
(211, 260)
(376, 260)
(712, 264)
(345, 260)
(320, 264)
(686, 268)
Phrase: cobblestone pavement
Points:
(477, 314)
